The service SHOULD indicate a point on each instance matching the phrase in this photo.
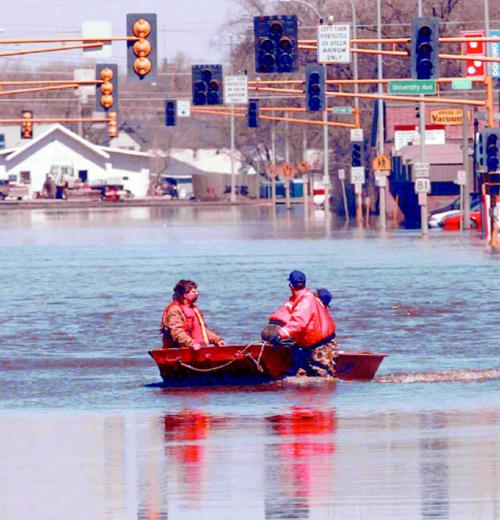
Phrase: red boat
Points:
(249, 364)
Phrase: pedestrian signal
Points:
(315, 88)
(170, 112)
(27, 124)
(207, 85)
(253, 113)
(357, 154)
(112, 124)
(106, 88)
(425, 48)
(276, 44)
(141, 52)
(491, 149)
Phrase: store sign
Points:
(404, 138)
(447, 116)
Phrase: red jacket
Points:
(310, 321)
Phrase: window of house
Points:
(25, 177)
(83, 175)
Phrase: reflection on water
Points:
(299, 463)
(80, 302)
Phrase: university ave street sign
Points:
(412, 87)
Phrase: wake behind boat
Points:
(249, 364)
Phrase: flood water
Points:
(83, 436)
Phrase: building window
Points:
(25, 177)
(83, 175)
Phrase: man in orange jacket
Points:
(183, 324)
(310, 326)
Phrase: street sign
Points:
(421, 169)
(334, 44)
(356, 135)
(422, 186)
(412, 87)
(381, 162)
(474, 68)
(447, 116)
(236, 89)
(495, 53)
(357, 175)
(461, 84)
(461, 177)
(289, 170)
(380, 180)
(272, 170)
(341, 174)
(304, 166)
(342, 111)
(183, 108)
(100, 31)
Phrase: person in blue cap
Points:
(308, 325)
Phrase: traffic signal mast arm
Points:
(92, 43)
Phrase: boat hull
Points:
(249, 364)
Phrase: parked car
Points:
(455, 205)
(452, 223)
(4, 188)
(437, 219)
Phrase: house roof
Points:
(180, 169)
(59, 128)
(124, 151)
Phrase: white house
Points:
(59, 147)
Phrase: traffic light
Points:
(315, 88)
(253, 113)
(479, 151)
(106, 91)
(27, 124)
(491, 149)
(425, 48)
(170, 112)
(357, 154)
(275, 43)
(141, 53)
(207, 85)
(112, 124)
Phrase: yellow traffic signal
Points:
(106, 87)
(27, 124)
(112, 124)
(141, 52)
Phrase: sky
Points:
(191, 26)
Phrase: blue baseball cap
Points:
(297, 278)
(325, 296)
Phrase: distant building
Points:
(57, 148)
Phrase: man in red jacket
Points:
(311, 328)
(182, 323)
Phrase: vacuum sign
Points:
(449, 116)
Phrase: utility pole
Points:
(273, 160)
(232, 195)
(305, 179)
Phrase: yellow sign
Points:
(289, 170)
(304, 166)
(381, 162)
(447, 116)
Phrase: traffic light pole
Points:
(422, 197)
(326, 164)
(380, 120)
(273, 161)
(466, 188)
(287, 160)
